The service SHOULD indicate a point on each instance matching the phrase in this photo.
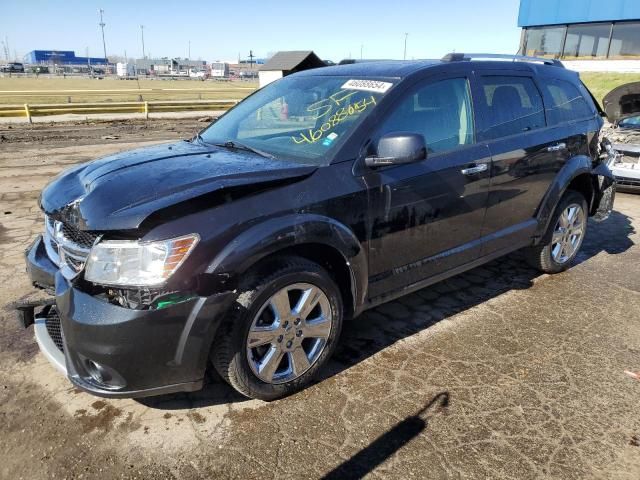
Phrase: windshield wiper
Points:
(241, 146)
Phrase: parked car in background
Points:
(196, 73)
(322, 195)
(38, 69)
(622, 106)
(96, 72)
(13, 67)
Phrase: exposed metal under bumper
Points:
(628, 183)
(48, 347)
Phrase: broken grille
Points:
(78, 237)
(67, 246)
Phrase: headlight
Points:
(134, 263)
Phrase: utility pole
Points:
(142, 33)
(189, 57)
(5, 47)
(251, 59)
(361, 47)
(102, 24)
(405, 46)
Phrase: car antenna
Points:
(515, 55)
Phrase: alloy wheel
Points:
(568, 233)
(289, 333)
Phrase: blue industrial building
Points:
(61, 57)
(580, 29)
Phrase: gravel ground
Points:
(497, 373)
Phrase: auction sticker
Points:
(367, 85)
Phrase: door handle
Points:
(473, 170)
(557, 147)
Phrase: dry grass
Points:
(53, 90)
(81, 89)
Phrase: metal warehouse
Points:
(61, 57)
(581, 29)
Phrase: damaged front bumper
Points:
(113, 351)
(626, 167)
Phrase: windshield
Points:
(299, 118)
(630, 122)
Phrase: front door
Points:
(426, 217)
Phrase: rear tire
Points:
(281, 330)
(562, 241)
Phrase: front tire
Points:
(281, 330)
(562, 241)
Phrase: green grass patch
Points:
(602, 83)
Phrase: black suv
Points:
(324, 194)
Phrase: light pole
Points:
(189, 50)
(405, 46)
(142, 34)
(102, 24)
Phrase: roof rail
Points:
(467, 57)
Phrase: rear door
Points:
(525, 153)
(426, 217)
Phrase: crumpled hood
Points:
(119, 191)
(622, 101)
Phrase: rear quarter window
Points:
(565, 103)
(513, 105)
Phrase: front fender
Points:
(279, 233)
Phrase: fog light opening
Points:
(99, 374)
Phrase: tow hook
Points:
(25, 309)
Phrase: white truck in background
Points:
(125, 70)
(219, 70)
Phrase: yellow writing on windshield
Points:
(313, 135)
(325, 106)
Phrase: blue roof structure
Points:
(61, 57)
(555, 12)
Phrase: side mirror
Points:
(398, 148)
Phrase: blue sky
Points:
(221, 30)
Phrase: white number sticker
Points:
(367, 85)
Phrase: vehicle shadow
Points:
(383, 326)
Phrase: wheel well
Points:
(331, 260)
(583, 184)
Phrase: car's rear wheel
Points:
(281, 331)
(563, 239)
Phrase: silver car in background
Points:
(622, 106)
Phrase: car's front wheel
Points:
(563, 238)
(282, 329)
